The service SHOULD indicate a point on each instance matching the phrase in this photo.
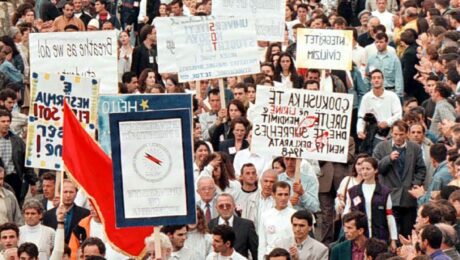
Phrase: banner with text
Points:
(216, 48)
(301, 123)
(133, 103)
(44, 132)
(324, 49)
(85, 54)
(269, 15)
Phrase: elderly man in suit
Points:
(246, 237)
(401, 167)
(206, 199)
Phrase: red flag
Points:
(91, 168)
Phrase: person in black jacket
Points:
(145, 55)
(49, 11)
(286, 72)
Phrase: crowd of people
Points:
(396, 197)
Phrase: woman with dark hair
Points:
(216, 166)
(278, 165)
(171, 83)
(147, 80)
(374, 199)
(17, 59)
(25, 13)
(235, 108)
(198, 237)
(239, 127)
(273, 48)
(201, 151)
(286, 72)
(290, 14)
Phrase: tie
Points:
(208, 213)
(226, 222)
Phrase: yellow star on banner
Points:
(145, 104)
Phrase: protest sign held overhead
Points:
(216, 48)
(153, 167)
(324, 49)
(84, 54)
(47, 95)
(133, 103)
(269, 15)
(301, 124)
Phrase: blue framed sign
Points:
(153, 168)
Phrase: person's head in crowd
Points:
(319, 22)
(302, 13)
(214, 100)
(417, 133)
(68, 10)
(156, 89)
(355, 225)
(177, 235)
(431, 84)
(273, 48)
(409, 103)
(286, 65)
(399, 131)
(438, 154)
(428, 213)
(381, 41)
(251, 94)
(9, 235)
(363, 17)
(77, 5)
(376, 79)
(176, 7)
(165, 245)
(107, 26)
(235, 109)
(408, 37)
(225, 205)
(453, 78)
(410, 118)
(206, 188)
(130, 82)
(381, 5)
(374, 247)
(446, 191)
(281, 192)
(369, 170)
(454, 199)
(239, 91)
(290, 163)
(313, 74)
(448, 211)
(200, 225)
(164, 10)
(71, 28)
(239, 127)
(441, 5)
(278, 165)
(441, 92)
(223, 238)
(294, 30)
(302, 225)
(100, 6)
(449, 236)
(290, 13)
(340, 23)
(201, 151)
(311, 85)
(248, 175)
(32, 211)
(430, 239)
(267, 68)
(28, 251)
(147, 79)
(171, 83)
(410, 14)
(24, 13)
(8, 98)
(454, 18)
(92, 246)
(5, 122)
(221, 172)
(357, 165)
(148, 34)
(69, 192)
(93, 25)
(268, 178)
(373, 22)
(200, 9)
(430, 14)
(279, 254)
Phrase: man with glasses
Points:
(246, 238)
(206, 199)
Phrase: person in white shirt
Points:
(248, 180)
(198, 237)
(223, 238)
(260, 162)
(386, 18)
(275, 225)
(262, 200)
(33, 231)
(383, 104)
(177, 235)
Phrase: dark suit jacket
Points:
(414, 172)
(246, 236)
(341, 251)
(225, 146)
(49, 219)
(408, 62)
(141, 60)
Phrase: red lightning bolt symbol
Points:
(153, 159)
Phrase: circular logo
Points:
(152, 162)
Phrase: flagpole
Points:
(157, 241)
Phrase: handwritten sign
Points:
(324, 49)
(85, 54)
(47, 95)
(133, 103)
(153, 167)
(301, 124)
(216, 48)
(269, 15)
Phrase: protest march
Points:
(229, 129)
